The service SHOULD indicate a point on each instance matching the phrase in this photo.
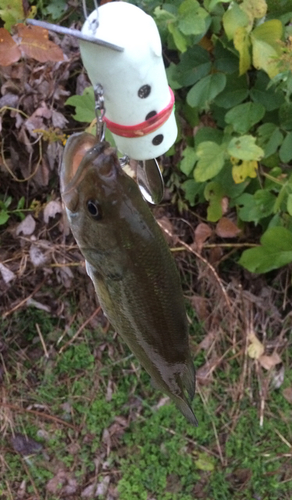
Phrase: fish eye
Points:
(94, 209)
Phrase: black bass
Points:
(130, 264)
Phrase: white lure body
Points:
(134, 81)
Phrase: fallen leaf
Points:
(200, 304)
(205, 462)
(27, 226)
(62, 483)
(202, 233)
(287, 393)
(25, 445)
(268, 362)
(225, 228)
(102, 487)
(37, 257)
(7, 275)
(9, 51)
(278, 376)
(35, 43)
(255, 348)
(52, 208)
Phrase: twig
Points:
(31, 479)
(42, 340)
(39, 414)
(283, 439)
(35, 170)
(22, 302)
(230, 245)
(80, 330)
(220, 245)
(190, 249)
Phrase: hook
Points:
(99, 106)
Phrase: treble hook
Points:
(99, 107)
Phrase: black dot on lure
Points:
(144, 91)
(157, 140)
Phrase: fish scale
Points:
(130, 264)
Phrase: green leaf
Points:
(234, 93)
(205, 462)
(214, 193)
(275, 140)
(4, 216)
(242, 44)
(195, 63)
(179, 39)
(225, 57)
(21, 203)
(171, 73)
(84, 105)
(56, 8)
(211, 160)
(11, 12)
(189, 159)
(213, 3)
(275, 252)
(203, 92)
(193, 191)
(285, 152)
(208, 134)
(289, 204)
(285, 116)
(7, 202)
(192, 18)
(255, 207)
(266, 49)
(244, 116)
(255, 8)
(233, 19)
(245, 148)
(268, 97)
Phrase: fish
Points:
(130, 264)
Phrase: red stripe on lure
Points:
(143, 128)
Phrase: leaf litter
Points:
(41, 268)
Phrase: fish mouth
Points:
(80, 151)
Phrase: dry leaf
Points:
(25, 445)
(225, 228)
(269, 362)
(200, 304)
(52, 208)
(62, 483)
(278, 376)
(7, 275)
(287, 393)
(255, 348)
(27, 226)
(35, 43)
(202, 233)
(9, 51)
(37, 257)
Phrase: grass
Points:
(95, 414)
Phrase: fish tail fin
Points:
(185, 408)
(188, 384)
(189, 378)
